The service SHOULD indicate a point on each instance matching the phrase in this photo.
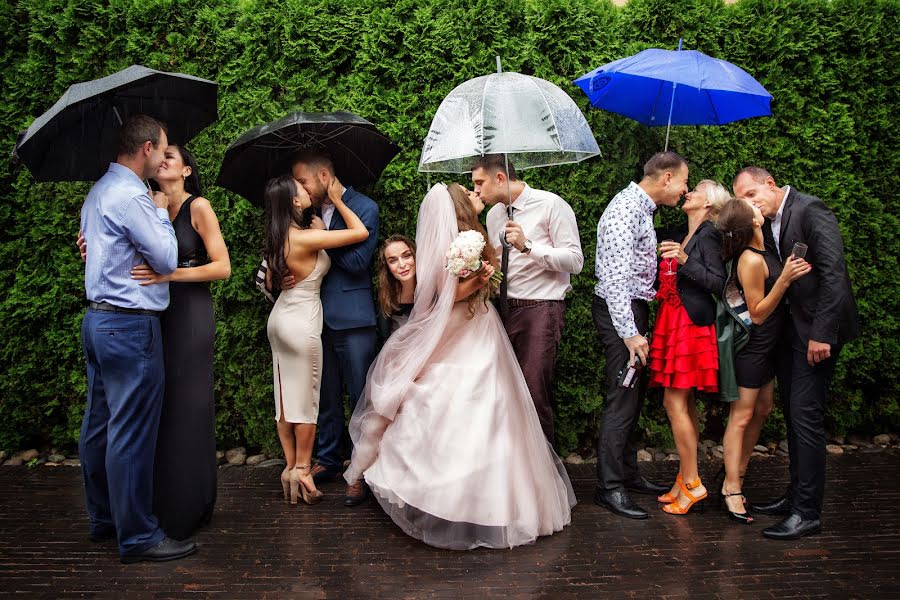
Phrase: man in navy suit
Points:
(349, 341)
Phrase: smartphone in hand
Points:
(629, 374)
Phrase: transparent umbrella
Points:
(531, 120)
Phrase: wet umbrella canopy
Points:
(532, 121)
(676, 87)
(77, 138)
(358, 150)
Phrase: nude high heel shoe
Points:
(297, 486)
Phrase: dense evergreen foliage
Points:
(831, 66)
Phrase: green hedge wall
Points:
(831, 67)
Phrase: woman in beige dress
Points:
(295, 245)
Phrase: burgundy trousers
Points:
(535, 332)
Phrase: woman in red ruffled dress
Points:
(683, 353)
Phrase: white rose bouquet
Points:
(464, 256)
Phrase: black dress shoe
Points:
(168, 549)
(782, 506)
(620, 503)
(642, 486)
(793, 528)
(356, 493)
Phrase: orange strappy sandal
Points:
(676, 509)
(668, 497)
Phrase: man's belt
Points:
(107, 307)
(517, 303)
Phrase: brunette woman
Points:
(395, 266)
(762, 280)
(295, 245)
(184, 489)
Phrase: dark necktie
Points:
(503, 302)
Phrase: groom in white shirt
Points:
(545, 253)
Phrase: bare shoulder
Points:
(201, 205)
(751, 260)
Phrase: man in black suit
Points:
(822, 318)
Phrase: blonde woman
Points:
(683, 355)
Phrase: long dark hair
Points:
(466, 220)
(389, 287)
(280, 214)
(192, 181)
(736, 225)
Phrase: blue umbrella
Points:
(643, 87)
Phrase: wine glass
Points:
(799, 250)
(669, 270)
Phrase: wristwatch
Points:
(527, 248)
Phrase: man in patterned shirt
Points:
(626, 272)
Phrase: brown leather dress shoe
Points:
(356, 493)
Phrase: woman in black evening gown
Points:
(184, 487)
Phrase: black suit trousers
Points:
(803, 390)
(616, 453)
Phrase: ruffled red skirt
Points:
(682, 355)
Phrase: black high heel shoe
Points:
(719, 482)
(743, 518)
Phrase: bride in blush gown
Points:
(445, 433)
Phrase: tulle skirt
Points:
(464, 462)
(683, 355)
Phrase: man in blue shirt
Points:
(121, 337)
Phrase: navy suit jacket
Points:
(821, 302)
(347, 300)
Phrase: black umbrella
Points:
(77, 138)
(358, 150)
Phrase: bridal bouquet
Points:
(464, 256)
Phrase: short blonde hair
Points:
(716, 195)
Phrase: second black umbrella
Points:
(359, 151)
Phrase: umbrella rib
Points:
(356, 156)
(713, 104)
(549, 111)
(662, 82)
(483, 96)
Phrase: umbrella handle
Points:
(509, 208)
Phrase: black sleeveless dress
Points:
(184, 490)
(755, 363)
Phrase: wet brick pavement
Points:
(260, 547)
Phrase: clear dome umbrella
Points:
(532, 121)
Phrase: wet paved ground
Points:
(260, 547)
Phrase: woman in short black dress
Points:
(763, 283)
(184, 487)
